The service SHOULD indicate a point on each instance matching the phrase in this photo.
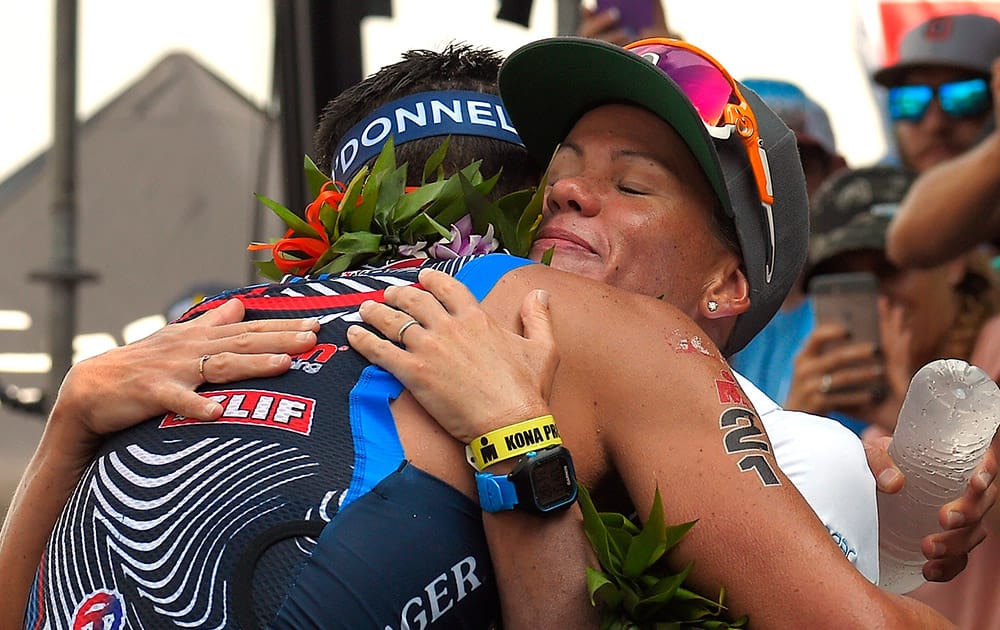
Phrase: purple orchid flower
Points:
(463, 242)
(417, 250)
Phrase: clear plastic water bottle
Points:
(948, 419)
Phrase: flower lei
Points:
(376, 218)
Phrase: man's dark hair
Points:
(458, 67)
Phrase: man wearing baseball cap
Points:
(954, 205)
(938, 89)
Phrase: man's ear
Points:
(728, 295)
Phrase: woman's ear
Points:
(728, 295)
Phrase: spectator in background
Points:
(955, 204)
(945, 311)
(939, 93)
(953, 52)
(767, 359)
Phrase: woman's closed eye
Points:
(633, 188)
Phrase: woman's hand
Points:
(467, 371)
(159, 373)
(118, 389)
(833, 373)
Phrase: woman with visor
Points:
(616, 167)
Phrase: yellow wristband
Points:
(512, 441)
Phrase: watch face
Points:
(553, 482)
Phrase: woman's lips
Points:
(561, 239)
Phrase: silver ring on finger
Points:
(402, 329)
(201, 365)
(825, 383)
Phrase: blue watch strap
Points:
(496, 492)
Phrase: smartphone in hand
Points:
(634, 16)
(851, 300)
(848, 299)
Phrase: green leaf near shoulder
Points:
(634, 586)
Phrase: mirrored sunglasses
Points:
(721, 106)
(958, 99)
(714, 94)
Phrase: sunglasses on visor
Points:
(958, 99)
(721, 106)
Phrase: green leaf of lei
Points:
(315, 178)
(292, 220)
(432, 168)
(634, 586)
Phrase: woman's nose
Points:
(573, 194)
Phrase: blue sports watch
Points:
(542, 482)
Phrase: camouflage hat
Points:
(875, 190)
(853, 210)
(863, 232)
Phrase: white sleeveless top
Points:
(826, 463)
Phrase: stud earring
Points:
(713, 306)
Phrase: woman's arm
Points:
(118, 389)
(661, 425)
